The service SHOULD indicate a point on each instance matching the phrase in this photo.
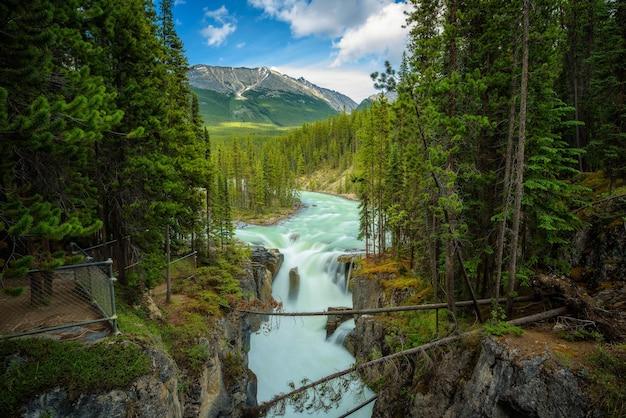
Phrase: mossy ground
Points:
(31, 366)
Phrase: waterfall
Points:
(296, 348)
(342, 332)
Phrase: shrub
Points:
(608, 388)
(497, 325)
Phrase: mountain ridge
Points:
(262, 95)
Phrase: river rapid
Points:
(292, 349)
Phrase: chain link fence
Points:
(70, 298)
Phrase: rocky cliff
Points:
(154, 395)
(598, 256)
(222, 386)
(504, 381)
(536, 375)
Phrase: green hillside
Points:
(260, 114)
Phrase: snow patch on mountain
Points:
(238, 81)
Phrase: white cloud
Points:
(359, 28)
(226, 24)
(220, 14)
(327, 18)
(216, 36)
(382, 34)
(177, 2)
(355, 84)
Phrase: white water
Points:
(296, 348)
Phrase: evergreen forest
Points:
(473, 173)
(101, 139)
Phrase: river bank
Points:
(269, 218)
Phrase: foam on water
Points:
(296, 348)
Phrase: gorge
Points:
(538, 374)
(289, 350)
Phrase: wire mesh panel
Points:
(96, 285)
(63, 298)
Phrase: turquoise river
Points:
(292, 349)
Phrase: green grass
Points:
(262, 114)
(497, 325)
(29, 367)
(607, 385)
(258, 131)
(404, 330)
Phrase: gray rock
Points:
(154, 395)
(505, 384)
(366, 293)
(333, 321)
(270, 258)
(294, 284)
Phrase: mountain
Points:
(261, 95)
(367, 102)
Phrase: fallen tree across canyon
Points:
(282, 399)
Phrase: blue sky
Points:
(335, 44)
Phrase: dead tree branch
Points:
(265, 407)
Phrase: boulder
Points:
(294, 284)
(333, 321)
(366, 293)
(599, 250)
(505, 383)
(270, 258)
(260, 272)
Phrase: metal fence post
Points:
(112, 280)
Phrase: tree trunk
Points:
(506, 188)
(519, 180)
(449, 267)
(451, 218)
(168, 270)
(433, 266)
(264, 407)
(120, 250)
(426, 307)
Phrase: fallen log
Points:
(612, 324)
(361, 405)
(370, 311)
(541, 316)
(265, 406)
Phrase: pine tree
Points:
(52, 112)
(222, 230)
(580, 21)
(148, 166)
(608, 91)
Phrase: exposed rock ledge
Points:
(154, 395)
(503, 383)
(484, 377)
(225, 387)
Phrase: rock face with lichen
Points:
(225, 387)
(599, 250)
(502, 383)
(154, 395)
(260, 272)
